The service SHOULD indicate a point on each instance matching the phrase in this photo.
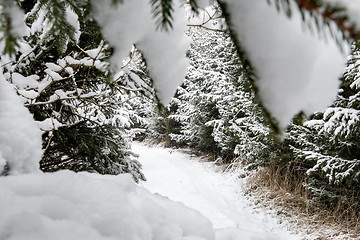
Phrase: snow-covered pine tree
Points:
(195, 103)
(327, 145)
(142, 103)
(338, 159)
(214, 106)
(84, 116)
(60, 17)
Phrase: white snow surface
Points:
(21, 82)
(165, 52)
(203, 187)
(20, 138)
(297, 69)
(72, 206)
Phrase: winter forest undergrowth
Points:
(267, 89)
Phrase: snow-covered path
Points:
(215, 195)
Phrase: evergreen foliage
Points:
(58, 16)
(326, 146)
(214, 106)
(162, 11)
(83, 112)
(338, 158)
(141, 103)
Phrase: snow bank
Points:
(297, 70)
(203, 186)
(68, 205)
(20, 138)
(132, 23)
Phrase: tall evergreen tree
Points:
(215, 106)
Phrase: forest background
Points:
(90, 98)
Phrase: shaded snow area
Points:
(216, 195)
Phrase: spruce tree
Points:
(336, 157)
(215, 107)
(325, 146)
(66, 83)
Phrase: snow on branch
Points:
(335, 169)
(344, 13)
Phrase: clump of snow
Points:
(21, 82)
(54, 75)
(37, 25)
(68, 205)
(73, 19)
(49, 124)
(131, 23)
(297, 70)
(54, 67)
(20, 138)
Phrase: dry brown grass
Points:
(281, 188)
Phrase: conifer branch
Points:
(337, 15)
(194, 6)
(61, 31)
(322, 14)
(162, 12)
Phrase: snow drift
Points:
(68, 205)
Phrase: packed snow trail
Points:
(214, 194)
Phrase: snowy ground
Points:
(183, 199)
(214, 194)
